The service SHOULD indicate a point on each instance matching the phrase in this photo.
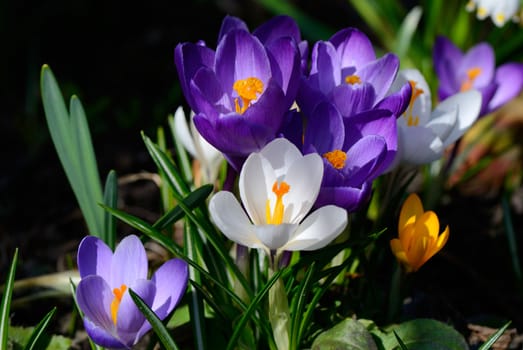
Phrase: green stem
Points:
(395, 293)
(279, 314)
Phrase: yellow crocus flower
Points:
(419, 237)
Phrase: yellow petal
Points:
(398, 251)
(406, 236)
(417, 251)
(412, 208)
(428, 224)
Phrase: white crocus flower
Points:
(278, 187)
(209, 157)
(423, 133)
(500, 11)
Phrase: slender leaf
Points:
(6, 302)
(111, 201)
(39, 330)
(156, 323)
(494, 337)
(193, 200)
(251, 309)
(298, 304)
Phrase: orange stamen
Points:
(416, 92)
(352, 79)
(472, 74)
(277, 216)
(115, 304)
(247, 89)
(336, 158)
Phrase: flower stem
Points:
(279, 314)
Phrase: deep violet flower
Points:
(475, 69)
(346, 72)
(111, 318)
(241, 91)
(354, 150)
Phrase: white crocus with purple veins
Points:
(425, 133)
(209, 157)
(278, 187)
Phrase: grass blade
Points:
(6, 302)
(39, 330)
(111, 201)
(494, 337)
(156, 323)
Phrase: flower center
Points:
(352, 79)
(336, 158)
(468, 82)
(115, 304)
(416, 92)
(279, 189)
(247, 89)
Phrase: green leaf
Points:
(72, 141)
(349, 334)
(494, 337)
(408, 28)
(5, 305)
(421, 334)
(39, 330)
(193, 200)
(18, 337)
(110, 200)
(156, 323)
(400, 342)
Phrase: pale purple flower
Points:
(476, 69)
(111, 317)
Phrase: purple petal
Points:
(375, 122)
(171, 282)
(363, 159)
(278, 27)
(94, 258)
(239, 56)
(101, 336)
(325, 129)
(353, 46)
(447, 57)
(353, 99)
(325, 62)
(94, 297)
(380, 73)
(129, 262)
(398, 101)
(480, 56)
(349, 198)
(229, 24)
(509, 77)
(208, 95)
(487, 93)
(189, 58)
(285, 62)
(130, 319)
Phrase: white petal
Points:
(304, 178)
(419, 145)
(422, 104)
(275, 236)
(229, 217)
(209, 156)
(181, 131)
(468, 104)
(442, 122)
(281, 153)
(318, 229)
(256, 179)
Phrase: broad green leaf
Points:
(424, 334)
(349, 334)
(19, 336)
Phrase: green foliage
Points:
(20, 338)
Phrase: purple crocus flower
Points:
(355, 151)
(241, 91)
(111, 318)
(476, 69)
(346, 72)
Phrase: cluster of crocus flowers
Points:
(500, 11)
(424, 133)
(278, 187)
(111, 318)
(241, 91)
(476, 69)
(419, 236)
